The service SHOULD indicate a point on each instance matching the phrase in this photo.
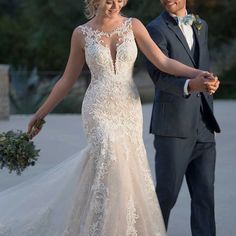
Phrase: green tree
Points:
(51, 25)
(37, 32)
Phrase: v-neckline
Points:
(100, 33)
(113, 61)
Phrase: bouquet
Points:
(17, 151)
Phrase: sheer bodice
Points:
(98, 53)
(107, 189)
(112, 97)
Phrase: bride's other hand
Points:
(72, 71)
(32, 129)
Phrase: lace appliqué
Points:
(98, 53)
(131, 219)
(116, 171)
(111, 79)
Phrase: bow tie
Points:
(186, 20)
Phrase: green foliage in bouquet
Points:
(17, 151)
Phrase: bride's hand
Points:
(33, 127)
(205, 74)
(212, 84)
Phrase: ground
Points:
(63, 135)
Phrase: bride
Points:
(106, 189)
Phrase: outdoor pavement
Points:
(63, 135)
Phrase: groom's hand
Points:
(212, 84)
(198, 84)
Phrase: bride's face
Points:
(110, 8)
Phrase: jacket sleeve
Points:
(164, 82)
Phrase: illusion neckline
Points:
(112, 32)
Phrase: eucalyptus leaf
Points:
(17, 151)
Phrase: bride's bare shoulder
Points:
(78, 36)
(80, 29)
(86, 24)
(136, 23)
(79, 32)
(137, 26)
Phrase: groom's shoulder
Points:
(204, 24)
(158, 22)
(202, 19)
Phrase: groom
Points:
(182, 117)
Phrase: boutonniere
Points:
(197, 23)
(191, 19)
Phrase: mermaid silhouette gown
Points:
(106, 189)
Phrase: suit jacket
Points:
(175, 114)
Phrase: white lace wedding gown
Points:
(106, 189)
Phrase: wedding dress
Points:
(106, 189)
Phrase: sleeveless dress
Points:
(106, 189)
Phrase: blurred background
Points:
(35, 42)
(34, 46)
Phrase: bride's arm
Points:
(72, 71)
(157, 57)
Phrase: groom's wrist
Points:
(190, 87)
(186, 87)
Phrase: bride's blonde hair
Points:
(92, 5)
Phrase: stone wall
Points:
(4, 92)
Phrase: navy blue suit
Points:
(183, 126)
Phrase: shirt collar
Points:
(175, 16)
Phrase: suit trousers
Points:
(179, 157)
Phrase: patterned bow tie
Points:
(186, 20)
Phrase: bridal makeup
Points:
(111, 8)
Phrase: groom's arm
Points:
(164, 82)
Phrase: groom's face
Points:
(174, 6)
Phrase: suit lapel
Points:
(198, 37)
(173, 26)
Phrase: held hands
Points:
(204, 82)
(212, 84)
